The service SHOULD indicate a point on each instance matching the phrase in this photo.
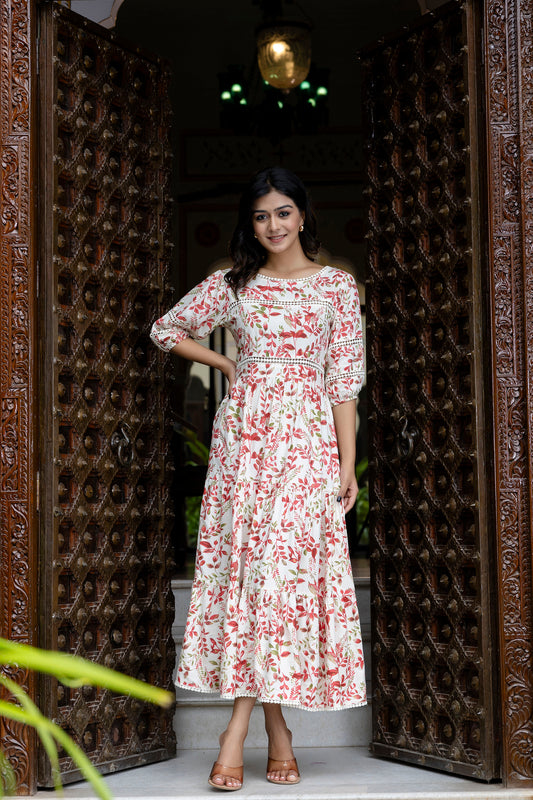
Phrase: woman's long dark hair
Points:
(247, 254)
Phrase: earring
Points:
(301, 228)
(255, 235)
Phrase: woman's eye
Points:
(284, 213)
(260, 218)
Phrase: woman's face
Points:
(276, 221)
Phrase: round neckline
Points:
(291, 280)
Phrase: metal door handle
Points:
(122, 444)
(405, 443)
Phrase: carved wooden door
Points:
(105, 555)
(432, 503)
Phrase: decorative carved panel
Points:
(509, 88)
(106, 431)
(431, 506)
(18, 449)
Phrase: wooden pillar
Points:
(18, 356)
(509, 94)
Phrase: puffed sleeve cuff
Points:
(166, 332)
(345, 387)
(196, 315)
(344, 382)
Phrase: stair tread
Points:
(328, 773)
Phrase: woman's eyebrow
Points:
(263, 211)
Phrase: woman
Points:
(273, 614)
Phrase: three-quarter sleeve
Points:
(345, 371)
(198, 313)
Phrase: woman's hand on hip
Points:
(229, 368)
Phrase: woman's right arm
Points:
(194, 351)
(194, 317)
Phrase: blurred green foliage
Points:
(72, 671)
(362, 503)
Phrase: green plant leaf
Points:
(360, 468)
(74, 671)
(46, 738)
(195, 446)
(41, 723)
(8, 781)
(67, 667)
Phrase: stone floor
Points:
(328, 773)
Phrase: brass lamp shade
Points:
(284, 53)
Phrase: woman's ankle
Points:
(234, 732)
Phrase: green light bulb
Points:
(236, 88)
(305, 85)
(321, 90)
(243, 101)
(312, 101)
(280, 104)
(226, 96)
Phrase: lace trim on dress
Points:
(274, 360)
(344, 375)
(291, 703)
(273, 301)
(344, 343)
(291, 280)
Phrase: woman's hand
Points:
(349, 488)
(194, 351)
(228, 368)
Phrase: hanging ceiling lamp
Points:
(284, 53)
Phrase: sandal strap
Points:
(276, 763)
(227, 772)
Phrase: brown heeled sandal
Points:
(225, 772)
(289, 764)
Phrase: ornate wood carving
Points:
(18, 545)
(509, 85)
(106, 515)
(430, 508)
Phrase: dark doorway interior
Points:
(217, 143)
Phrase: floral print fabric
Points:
(273, 612)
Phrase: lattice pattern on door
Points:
(106, 516)
(430, 517)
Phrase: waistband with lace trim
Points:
(274, 360)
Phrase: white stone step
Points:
(328, 773)
(200, 717)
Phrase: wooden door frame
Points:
(509, 96)
(18, 359)
(509, 104)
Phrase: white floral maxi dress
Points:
(273, 612)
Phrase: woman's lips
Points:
(275, 239)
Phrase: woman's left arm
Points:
(344, 418)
